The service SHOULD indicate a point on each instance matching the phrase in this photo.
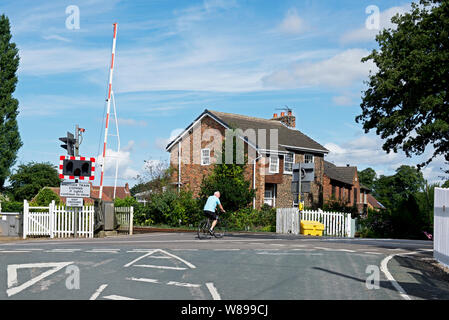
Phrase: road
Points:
(177, 266)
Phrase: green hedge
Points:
(172, 209)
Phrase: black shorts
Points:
(211, 215)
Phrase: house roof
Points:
(108, 193)
(373, 202)
(288, 138)
(342, 174)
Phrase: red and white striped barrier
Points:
(61, 166)
(111, 71)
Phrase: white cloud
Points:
(292, 23)
(340, 70)
(343, 100)
(132, 122)
(161, 143)
(56, 37)
(58, 60)
(122, 158)
(364, 34)
(366, 151)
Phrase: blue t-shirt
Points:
(211, 203)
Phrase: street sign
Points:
(75, 189)
(74, 202)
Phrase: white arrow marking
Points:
(12, 274)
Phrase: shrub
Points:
(12, 206)
(45, 197)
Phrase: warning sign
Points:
(75, 189)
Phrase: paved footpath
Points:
(172, 266)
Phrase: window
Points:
(205, 157)
(308, 158)
(333, 192)
(355, 196)
(274, 164)
(361, 197)
(289, 159)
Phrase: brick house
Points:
(271, 145)
(342, 184)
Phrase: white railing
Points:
(441, 226)
(336, 224)
(57, 221)
(125, 217)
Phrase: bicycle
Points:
(204, 226)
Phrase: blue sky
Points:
(176, 58)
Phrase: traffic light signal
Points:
(76, 168)
(69, 143)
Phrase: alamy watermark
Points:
(72, 22)
(372, 281)
(373, 20)
(73, 280)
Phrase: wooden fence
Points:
(441, 226)
(336, 224)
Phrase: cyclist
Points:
(209, 209)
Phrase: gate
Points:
(58, 221)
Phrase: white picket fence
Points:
(57, 221)
(336, 224)
(441, 226)
(125, 217)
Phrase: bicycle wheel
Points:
(220, 229)
(203, 229)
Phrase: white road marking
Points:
(225, 249)
(176, 257)
(135, 260)
(396, 285)
(290, 253)
(345, 250)
(98, 292)
(63, 250)
(159, 267)
(213, 291)
(115, 297)
(370, 252)
(12, 274)
(183, 284)
(184, 249)
(15, 251)
(170, 283)
(144, 280)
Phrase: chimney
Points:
(347, 164)
(289, 120)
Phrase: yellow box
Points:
(312, 228)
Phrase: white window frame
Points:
(203, 157)
(292, 162)
(309, 154)
(270, 162)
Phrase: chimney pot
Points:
(347, 164)
(282, 114)
(275, 115)
(289, 113)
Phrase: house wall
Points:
(193, 173)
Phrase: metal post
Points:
(77, 141)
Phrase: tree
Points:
(367, 177)
(10, 141)
(445, 184)
(391, 191)
(44, 197)
(229, 179)
(407, 100)
(30, 178)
